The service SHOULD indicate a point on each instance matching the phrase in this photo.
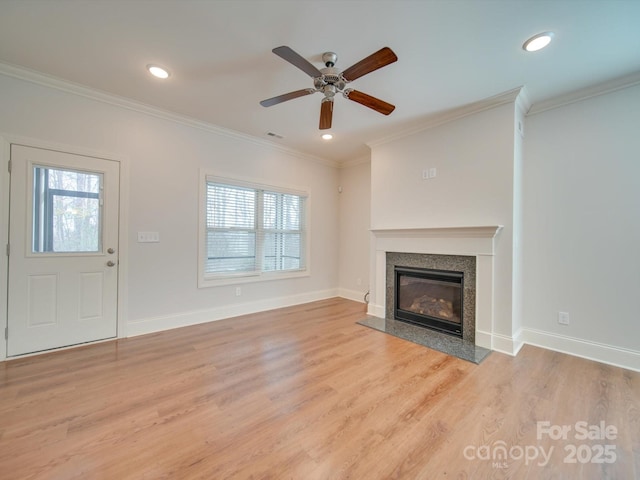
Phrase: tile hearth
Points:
(441, 342)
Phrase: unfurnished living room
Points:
(319, 239)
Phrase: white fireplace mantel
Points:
(484, 231)
(475, 241)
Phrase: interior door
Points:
(63, 249)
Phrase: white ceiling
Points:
(450, 53)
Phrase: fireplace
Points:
(430, 298)
(467, 249)
(446, 267)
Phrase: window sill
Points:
(218, 281)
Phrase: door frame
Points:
(123, 234)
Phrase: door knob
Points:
(110, 250)
(111, 263)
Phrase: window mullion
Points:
(279, 226)
(259, 228)
(48, 220)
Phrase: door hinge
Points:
(9, 166)
(6, 333)
(8, 249)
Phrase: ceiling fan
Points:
(330, 81)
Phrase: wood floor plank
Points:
(305, 393)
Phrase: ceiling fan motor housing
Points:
(329, 58)
(330, 76)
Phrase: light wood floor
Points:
(305, 393)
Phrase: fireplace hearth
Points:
(430, 298)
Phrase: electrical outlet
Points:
(432, 172)
(238, 291)
(563, 318)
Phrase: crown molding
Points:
(523, 101)
(447, 116)
(610, 86)
(56, 83)
(355, 161)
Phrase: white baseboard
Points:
(518, 341)
(599, 352)
(376, 310)
(505, 344)
(616, 356)
(354, 295)
(184, 319)
(484, 339)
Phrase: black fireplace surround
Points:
(430, 298)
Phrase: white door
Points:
(63, 243)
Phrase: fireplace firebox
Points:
(430, 298)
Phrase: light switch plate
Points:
(148, 237)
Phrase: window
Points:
(66, 210)
(252, 231)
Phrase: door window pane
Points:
(67, 210)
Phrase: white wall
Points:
(164, 158)
(518, 181)
(581, 229)
(355, 216)
(474, 158)
(580, 202)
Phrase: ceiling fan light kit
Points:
(329, 81)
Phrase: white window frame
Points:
(205, 279)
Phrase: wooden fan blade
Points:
(371, 102)
(297, 60)
(287, 96)
(381, 58)
(326, 114)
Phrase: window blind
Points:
(252, 230)
(231, 229)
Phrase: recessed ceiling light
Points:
(327, 136)
(157, 71)
(538, 42)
